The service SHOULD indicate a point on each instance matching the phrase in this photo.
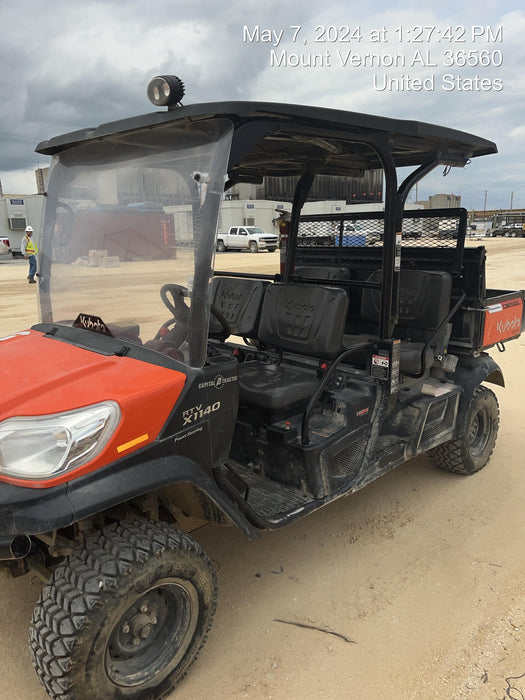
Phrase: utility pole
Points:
(511, 198)
(485, 206)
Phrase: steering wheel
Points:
(176, 305)
(219, 327)
(180, 312)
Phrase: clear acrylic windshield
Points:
(126, 216)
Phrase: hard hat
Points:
(29, 228)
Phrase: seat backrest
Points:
(239, 300)
(305, 319)
(322, 273)
(424, 300)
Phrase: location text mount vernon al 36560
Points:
(397, 55)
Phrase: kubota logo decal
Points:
(298, 306)
(508, 325)
(502, 321)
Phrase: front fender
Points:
(30, 511)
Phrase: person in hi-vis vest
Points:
(29, 251)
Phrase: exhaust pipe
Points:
(16, 547)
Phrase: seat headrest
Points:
(306, 319)
(424, 298)
(239, 300)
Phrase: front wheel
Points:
(253, 247)
(471, 452)
(272, 250)
(126, 616)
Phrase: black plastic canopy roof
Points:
(272, 139)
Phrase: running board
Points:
(266, 503)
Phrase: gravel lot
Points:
(422, 570)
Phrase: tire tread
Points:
(451, 456)
(76, 587)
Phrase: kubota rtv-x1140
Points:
(156, 390)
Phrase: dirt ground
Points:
(410, 589)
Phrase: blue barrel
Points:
(354, 239)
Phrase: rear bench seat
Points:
(424, 302)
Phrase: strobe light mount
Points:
(166, 91)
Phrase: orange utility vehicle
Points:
(156, 393)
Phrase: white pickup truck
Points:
(251, 238)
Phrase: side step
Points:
(390, 449)
(266, 503)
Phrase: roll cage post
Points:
(414, 177)
(299, 198)
(391, 251)
(395, 199)
(394, 202)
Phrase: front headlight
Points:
(39, 447)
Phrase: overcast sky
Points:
(72, 64)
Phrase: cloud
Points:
(77, 64)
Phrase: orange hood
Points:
(40, 375)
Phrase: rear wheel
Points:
(253, 247)
(126, 616)
(221, 247)
(271, 250)
(471, 452)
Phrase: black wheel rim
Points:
(153, 635)
(479, 433)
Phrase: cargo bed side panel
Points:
(502, 318)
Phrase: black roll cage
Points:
(271, 139)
